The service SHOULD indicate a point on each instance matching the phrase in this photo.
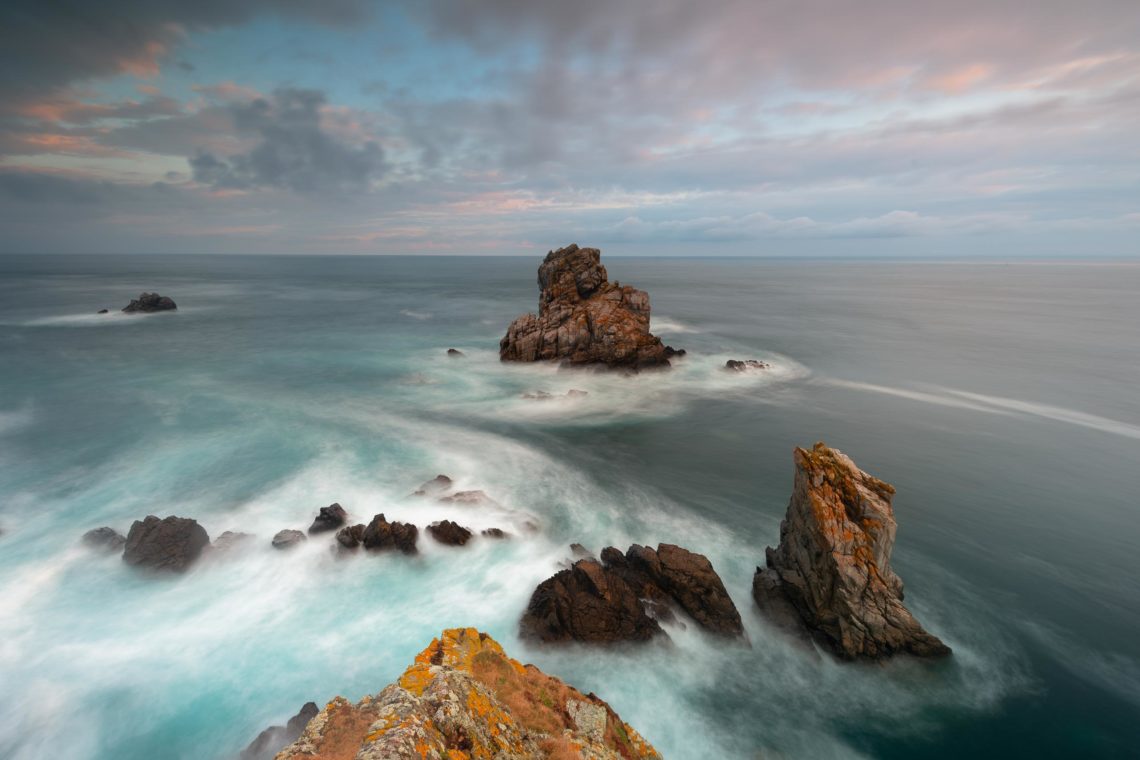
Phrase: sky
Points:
(655, 127)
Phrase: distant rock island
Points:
(150, 302)
(584, 319)
(830, 577)
(463, 697)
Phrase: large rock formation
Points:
(465, 698)
(830, 577)
(150, 302)
(583, 318)
(172, 543)
(622, 597)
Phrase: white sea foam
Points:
(416, 314)
(659, 325)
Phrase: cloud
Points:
(294, 152)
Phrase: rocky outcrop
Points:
(830, 577)
(105, 539)
(170, 544)
(584, 319)
(463, 697)
(622, 597)
(287, 539)
(270, 741)
(150, 302)
(329, 518)
(381, 534)
(449, 533)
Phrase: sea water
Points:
(1000, 399)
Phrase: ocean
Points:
(999, 398)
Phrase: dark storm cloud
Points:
(294, 152)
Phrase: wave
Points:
(667, 326)
(416, 314)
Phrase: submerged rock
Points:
(455, 353)
(106, 539)
(830, 577)
(103, 311)
(172, 543)
(273, 739)
(149, 302)
(463, 697)
(287, 539)
(583, 318)
(381, 534)
(622, 597)
(230, 540)
(495, 533)
(329, 518)
(744, 365)
(450, 533)
(467, 498)
(438, 484)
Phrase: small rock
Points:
(230, 539)
(105, 539)
(172, 543)
(467, 498)
(455, 353)
(329, 518)
(275, 738)
(286, 539)
(150, 302)
(350, 537)
(495, 533)
(738, 365)
(438, 484)
(381, 534)
(103, 311)
(449, 533)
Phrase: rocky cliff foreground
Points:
(584, 319)
(462, 699)
(830, 577)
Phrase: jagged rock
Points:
(830, 576)
(172, 543)
(381, 534)
(329, 518)
(495, 533)
(455, 353)
(738, 365)
(583, 318)
(465, 698)
(450, 533)
(351, 536)
(230, 540)
(148, 302)
(105, 539)
(623, 597)
(273, 739)
(287, 539)
(438, 484)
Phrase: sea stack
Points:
(463, 697)
(150, 302)
(830, 577)
(584, 319)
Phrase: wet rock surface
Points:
(584, 319)
(381, 534)
(329, 518)
(105, 539)
(745, 365)
(287, 539)
(449, 533)
(350, 537)
(270, 741)
(463, 697)
(830, 577)
(150, 302)
(168, 544)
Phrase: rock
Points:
(105, 539)
(438, 484)
(623, 597)
(103, 311)
(150, 302)
(575, 393)
(463, 697)
(381, 534)
(577, 551)
(830, 576)
(287, 539)
(270, 741)
(738, 365)
(455, 353)
(467, 498)
(230, 540)
(450, 533)
(583, 318)
(172, 543)
(329, 518)
(497, 533)
(350, 537)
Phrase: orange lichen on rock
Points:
(463, 698)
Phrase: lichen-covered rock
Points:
(584, 319)
(381, 534)
(171, 544)
(622, 597)
(150, 302)
(830, 577)
(329, 518)
(463, 699)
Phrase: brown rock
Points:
(830, 577)
(381, 534)
(329, 518)
(170, 544)
(583, 318)
(350, 537)
(450, 533)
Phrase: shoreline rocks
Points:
(148, 303)
(830, 576)
(463, 697)
(169, 544)
(584, 319)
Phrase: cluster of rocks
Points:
(463, 697)
(624, 596)
(584, 319)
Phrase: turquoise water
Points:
(999, 399)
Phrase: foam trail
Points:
(1056, 413)
(913, 395)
